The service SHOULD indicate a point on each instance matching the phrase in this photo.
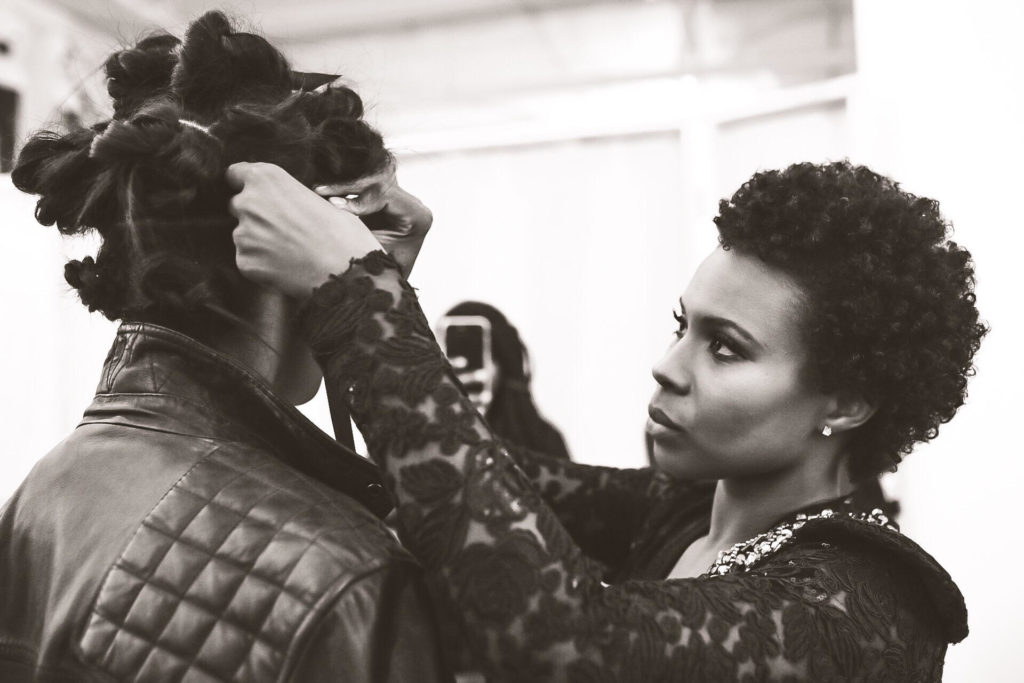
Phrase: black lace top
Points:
(556, 570)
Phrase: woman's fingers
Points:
(366, 195)
(398, 220)
(287, 236)
(382, 177)
(416, 213)
(244, 174)
(235, 175)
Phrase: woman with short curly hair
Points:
(889, 304)
(832, 330)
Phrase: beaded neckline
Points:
(745, 554)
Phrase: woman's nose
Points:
(672, 371)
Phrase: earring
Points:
(826, 431)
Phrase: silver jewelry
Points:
(744, 555)
(826, 431)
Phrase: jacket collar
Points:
(157, 378)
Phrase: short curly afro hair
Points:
(890, 311)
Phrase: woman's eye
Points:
(721, 349)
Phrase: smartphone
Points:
(466, 340)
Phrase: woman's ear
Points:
(848, 411)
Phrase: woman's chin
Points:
(678, 463)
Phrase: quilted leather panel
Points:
(225, 572)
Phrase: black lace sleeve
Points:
(534, 606)
(602, 508)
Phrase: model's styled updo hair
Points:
(890, 311)
(151, 179)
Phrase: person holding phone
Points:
(832, 329)
(493, 365)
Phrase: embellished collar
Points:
(745, 554)
(845, 519)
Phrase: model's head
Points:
(834, 301)
(150, 180)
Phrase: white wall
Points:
(580, 249)
(52, 348)
(940, 108)
(587, 243)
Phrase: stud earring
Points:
(826, 431)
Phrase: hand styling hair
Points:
(890, 311)
(150, 180)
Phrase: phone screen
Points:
(465, 341)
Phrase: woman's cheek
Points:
(739, 408)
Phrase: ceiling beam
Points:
(300, 25)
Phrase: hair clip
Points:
(197, 126)
(309, 80)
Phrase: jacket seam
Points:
(217, 439)
(203, 407)
(223, 420)
(323, 606)
(17, 653)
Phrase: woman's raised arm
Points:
(533, 605)
(602, 508)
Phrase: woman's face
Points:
(731, 402)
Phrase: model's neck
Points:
(743, 508)
(259, 343)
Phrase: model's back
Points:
(195, 526)
(175, 536)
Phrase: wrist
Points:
(341, 290)
(334, 262)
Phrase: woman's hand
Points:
(288, 237)
(398, 220)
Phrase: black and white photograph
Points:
(485, 341)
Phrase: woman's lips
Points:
(658, 416)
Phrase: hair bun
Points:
(351, 149)
(84, 276)
(60, 170)
(218, 65)
(334, 102)
(137, 74)
(147, 138)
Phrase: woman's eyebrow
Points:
(725, 323)
(719, 322)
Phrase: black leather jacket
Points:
(195, 527)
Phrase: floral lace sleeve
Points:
(534, 605)
(602, 508)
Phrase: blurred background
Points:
(573, 153)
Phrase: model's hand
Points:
(288, 237)
(399, 220)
